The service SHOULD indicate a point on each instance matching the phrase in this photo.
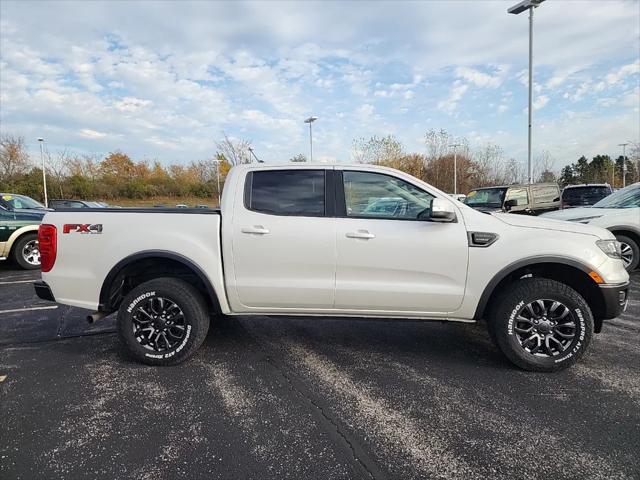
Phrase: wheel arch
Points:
(564, 270)
(139, 267)
(19, 233)
(629, 231)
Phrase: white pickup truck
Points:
(334, 240)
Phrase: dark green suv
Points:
(20, 217)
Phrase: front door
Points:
(391, 258)
(284, 241)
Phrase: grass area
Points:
(167, 201)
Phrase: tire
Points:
(25, 252)
(633, 250)
(537, 308)
(166, 305)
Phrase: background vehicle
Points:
(619, 213)
(311, 240)
(11, 201)
(20, 217)
(528, 199)
(583, 195)
(63, 203)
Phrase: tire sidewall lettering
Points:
(512, 317)
(576, 348)
(138, 299)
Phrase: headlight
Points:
(585, 219)
(610, 247)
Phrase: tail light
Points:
(48, 246)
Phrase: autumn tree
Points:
(377, 149)
(236, 151)
(14, 159)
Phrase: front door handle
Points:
(361, 234)
(256, 230)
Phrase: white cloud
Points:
(540, 101)
(481, 79)
(456, 93)
(88, 133)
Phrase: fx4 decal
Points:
(82, 228)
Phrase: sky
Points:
(163, 80)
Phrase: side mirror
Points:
(442, 211)
(509, 204)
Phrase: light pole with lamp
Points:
(44, 173)
(455, 166)
(517, 9)
(310, 120)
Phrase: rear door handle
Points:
(361, 234)
(256, 230)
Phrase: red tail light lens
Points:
(48, 245)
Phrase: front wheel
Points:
(541, 325)
(630, 251)
(163, 321)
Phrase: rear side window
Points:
(286, 192)
(520, 195)
(585, 195)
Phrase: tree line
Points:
(117, 175)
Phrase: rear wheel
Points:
(163, 321)
(630, 252)
(541, 325)
(26, 252)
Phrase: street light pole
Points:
(517, 9)
(44, 173)
(529, 140)
(310, 120)
(455, 167)
(218, 177)
(624, 163)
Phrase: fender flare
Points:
(512, 267)
(103, 304)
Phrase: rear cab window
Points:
(286, 192)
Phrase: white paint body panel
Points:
(307, 266)
(84, 260)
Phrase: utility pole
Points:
(517, 9)
(624, 163)
(310, 120)
(44, 172)
(455, 167)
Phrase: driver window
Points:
(375, 195)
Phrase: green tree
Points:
(567, 176)
(298, 158)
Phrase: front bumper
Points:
(615, 299)
(43, 291)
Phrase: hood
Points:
(576, 214)
(552, 224)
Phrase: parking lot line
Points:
(17, 281)
(28, 309)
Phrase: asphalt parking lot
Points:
(308, 398)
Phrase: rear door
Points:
(390, 260)
(284, 241)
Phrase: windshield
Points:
(628, 197)
(18, 202)
(486, 197)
